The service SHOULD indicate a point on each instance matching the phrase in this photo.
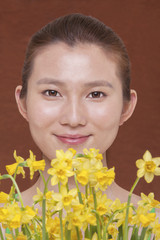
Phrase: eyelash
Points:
(99, 94)
(51, 93)
(54, 93)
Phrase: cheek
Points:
(41, 114)
(106, 116)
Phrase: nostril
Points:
(73, 116)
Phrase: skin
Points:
(75, 91)
(74, 99)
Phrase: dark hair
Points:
(73, 29)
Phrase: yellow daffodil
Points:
(75, 220)
(149, 201)
(140, 211)
(4, 197)
(79, 213)
(4, 213)
(156, 229)
(34, 165)
(38, 197)
(53, 228)
(104, 178)
(146, 219)
(112, 230)
(91, 219)
(148, 167)
(64, 198)
(65, 157)
(92, 153)
(121, 215)
(103, 203)
(16, 221)
(9, 236)
(12, 168)
(74, 234)
(27, 214)
(82, 177)
(21, 236)
(61, 167)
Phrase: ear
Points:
(21, 102)
(128, 107)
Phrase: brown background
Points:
(137, 22)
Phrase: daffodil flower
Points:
(61, 167)
(64, 198)
(103, 178)
(4, 197)
(34, 165)
(149, 201)
(12, 168)
(148, 167)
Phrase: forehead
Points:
(86, 60)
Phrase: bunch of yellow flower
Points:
(74, 214)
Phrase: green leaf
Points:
(120, 233)
(143, 233)
(67, 232)
(135, 234)
(1, 235)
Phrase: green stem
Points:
(86, 191)
(79, 193)
(61, 224)
(44, 181)
(44, 218)
(127, 209)
(13, 236)
(60, 214)
(67, 187)
(78, 236)
(28, 231)
(67, 232)
(95, 207)
(44, 233)
(6, 176)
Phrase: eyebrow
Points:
(95, 83)
(98, 83)
(49, 81)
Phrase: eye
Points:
(52, 93)
(96, 94)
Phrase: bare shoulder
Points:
(115, 191)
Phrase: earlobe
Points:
(21, 102)
(129, 107)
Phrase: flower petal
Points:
(157, 171)
(148, 177)
(147, 156)
(140, 172)
(140, 163)
(156, 160)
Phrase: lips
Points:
(73, 139)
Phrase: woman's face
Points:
(74, 99)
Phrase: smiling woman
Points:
(76, 89)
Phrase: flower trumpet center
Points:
(60, 172)
(150, 166)
(67, 200)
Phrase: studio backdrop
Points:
(138, 24)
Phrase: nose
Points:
(73, 114)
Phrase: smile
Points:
(72, 139)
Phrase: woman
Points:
(76, 90)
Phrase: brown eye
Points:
(52, 93)
(96, 94)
